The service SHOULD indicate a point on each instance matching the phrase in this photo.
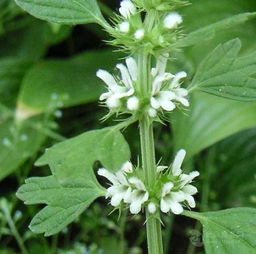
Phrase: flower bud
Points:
(124, 27)
(139, 34)
(133, 103)
(151, 207)
(172, 20)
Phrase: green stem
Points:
(153, 225)
(13, 228)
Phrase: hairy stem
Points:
(153, 225)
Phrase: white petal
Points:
(121, 178)
(167, 188)
(113, 102)
(176, 207)
(104, 96)
(133, 103)
(105, 173)
(125, 75)
(127, 8)
(167, 105)
(172, 20)
(138, 183)
(191, 201)
(127, 167)
(183, 101)
(185, 179)
(157, 83)
(189, 189)
(132, 68)
(177, 78)
(107, 78)
(178, 196)
(128, 196)
(160, 168)
(176, 166)
(151, 207)
(135, 207)
(154, 103)
(164, 206)
(116, 199)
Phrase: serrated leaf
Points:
(73, 185)
(66, 11)
(209, 120)
(229, 231)
(70, 82)
(209, 31)
(224, 74)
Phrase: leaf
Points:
(208, 32)
(73, 185)
(17, 145)
(209, 120)
(224, 74)
(228, 231)
(12, 71)
(236, 155)
(69, 82)
(24, 40)
(69, 12)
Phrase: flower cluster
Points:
(121, 90)
(178, 190)
(166, 90)
(125, 188)
(131, 32)
(174, 188)
(122, 96)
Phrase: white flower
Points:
(127, 8)
(124, 27)
(139, 34)
(123, 88)
(164, 96)
(120, 189)
(152, 207)
(172, 199)
(172, 20)
(139, 195)
(127, 167)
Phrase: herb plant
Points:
(150, 89)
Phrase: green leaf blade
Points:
(68, 12)
(73, 186)
(223, 73)
(228, 231)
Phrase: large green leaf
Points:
(235, 165)
(64, 11)
(209, 120)
(229, 231)
(68, 82)
(73, 185)
(17, 144)
(12, 71)
(223, 73)
(208, 32)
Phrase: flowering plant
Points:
(145, 91)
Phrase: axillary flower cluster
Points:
(122, 95)
(172, 189)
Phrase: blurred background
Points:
(49, 92)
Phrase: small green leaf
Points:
(66, 11)
(70, 82)
(229, 231)
(73, 185)
(224, 74)
(208, 32)
(209, 120)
